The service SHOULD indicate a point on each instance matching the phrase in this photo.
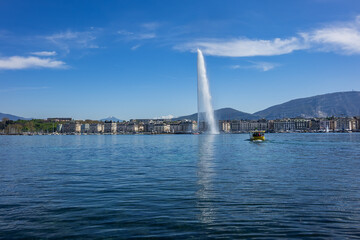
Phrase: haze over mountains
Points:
(326, 105)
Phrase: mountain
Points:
(326, 105)
(114, 119)
(331, 104)
(224, 114)
(11, 117)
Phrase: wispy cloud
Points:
(15, 89)
(135, 47)
(143, 32)
(18, 62)
(44, 53)
(136, 36)
(342, 38)
(262, 66)
(150, 26)
(72, 39)
(244, 47)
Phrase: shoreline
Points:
(100, 134)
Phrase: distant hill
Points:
(114, 119)
(224, 114)
(11, 117)
(331, 104)
(326, 105)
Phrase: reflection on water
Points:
(205, 174)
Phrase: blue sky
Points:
(136, 59)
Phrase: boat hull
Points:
(261, 138)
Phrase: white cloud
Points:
(244, 47)
(342, 37)
(44, 53)
(18, 62)
(262, 66)
(170, 116)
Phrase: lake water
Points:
(180, 186)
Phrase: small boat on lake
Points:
(257, 136)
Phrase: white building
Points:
(96, 128)
(110, 127)
(85, 128)
(73, 127)
(344, 124)
(162, 128)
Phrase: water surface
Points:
(180, 186)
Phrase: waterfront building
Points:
(353, 124)
(325, 124)
(270, 125)
(225, 126)
(132, 127)
(188, 126)
(202, 126)
(175, 127)
(149, 127)
(96, 128)
(301, 125)
(284, 125)
(110, 127)
(162, 128)
(141, 127)
(121, 127)
(357, 123)
(85, 128)
(315, 124)
(261, 125)
(72, 127)
(183, 126)
(333, 124)
(235, 126)
(246, 125)
(13, 130)
(343, 124)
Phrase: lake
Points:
(180, 186)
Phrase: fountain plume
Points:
(204, 97)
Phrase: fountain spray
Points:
(204, 96)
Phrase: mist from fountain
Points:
(205, 107)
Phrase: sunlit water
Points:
(180, 186)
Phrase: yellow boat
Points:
(257, 136)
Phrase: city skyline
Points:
(89, 60)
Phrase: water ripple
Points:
(180, 186)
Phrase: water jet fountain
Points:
(205, 108)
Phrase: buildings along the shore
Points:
(339, 124)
